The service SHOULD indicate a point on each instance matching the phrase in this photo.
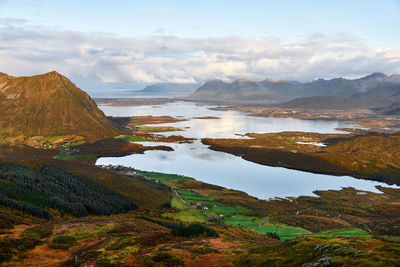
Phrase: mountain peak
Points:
(242, 80)
(50, 104)
(215, 81)
(53, 74)
(375, 75)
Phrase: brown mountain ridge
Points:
(48, 105)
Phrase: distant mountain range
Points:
(373, 90)
(168, 89)
(48, 105)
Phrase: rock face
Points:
(376, 89)
(47, 105)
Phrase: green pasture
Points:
(193, 196)
(160, 176)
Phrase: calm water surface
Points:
(197, 161)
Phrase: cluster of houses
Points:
(121, 169)
(199, 206)
(69, 151)
(44, 145)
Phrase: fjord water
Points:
(223, 169)
(229, 125)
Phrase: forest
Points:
(37, 190)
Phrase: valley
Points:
(199, 133)
(192, 183)
(335, 227)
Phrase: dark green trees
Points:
(35, 190)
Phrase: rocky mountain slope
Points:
(373, 90)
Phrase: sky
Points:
(105, 45)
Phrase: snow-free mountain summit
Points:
(47, 105)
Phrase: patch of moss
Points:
(63, 242)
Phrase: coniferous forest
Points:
(35, 191)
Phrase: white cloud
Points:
(28, 50)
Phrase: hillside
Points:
(49, 105)
(323, 102)
(244, 89)
(327, 230)
(383, 95)
(393, 109)
(373, 90)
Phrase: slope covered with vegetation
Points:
(203, 225)
(49, 105)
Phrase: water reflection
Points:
(194, 160)
(229, 124)
(197, 161)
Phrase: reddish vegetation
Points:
(372, 246)
(26, 154)
(125, 240)
(213, 259)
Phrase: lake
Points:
(223, 169)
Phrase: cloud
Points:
(12, 21)
(28, 50)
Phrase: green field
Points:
(242, 221)
(227, 210)
(284, 232)
(63, 155)
(185, 212)
(131, 138)
(267, 229)
(161, 176)
(76, 143)
(287, 233)
(190, 195)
